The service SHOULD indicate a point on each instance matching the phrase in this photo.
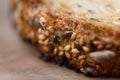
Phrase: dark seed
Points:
(67, 34)
(91, 11)
(51, 46)
(106, 56)
(90, 71)
(79, 5)
(93, 19)
(92, 46)
(78, 46)
(58, 36)
(38, 24)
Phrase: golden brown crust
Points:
(89, 45)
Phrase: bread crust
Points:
(68, 37)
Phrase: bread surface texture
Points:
(84, 35)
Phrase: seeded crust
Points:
(75, 33)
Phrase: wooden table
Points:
(19, 60)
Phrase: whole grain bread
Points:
(81, 34)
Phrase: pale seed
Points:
(42, 19)
(60, 48)
(40, 42)
(47, 33)
(73, 36)
(55, 51)
(39, 30)
(67, 47)
(90, 61)
(67, 55)
(61, 53)
(98, 68)
(74, 51)
(81, 41)
(50, 28)
(86, 49)
(81, 57)
(72, 45)
(45, 48)
(82, 63)
(41, 37)
(46, 42)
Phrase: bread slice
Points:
(82, 34)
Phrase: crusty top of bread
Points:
(106, 12)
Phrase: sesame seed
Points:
(40, 41)
(41, 37)
(45, 48)
(67, 55)
(55, 51)
(82, 63)
(72, 45)
(81, 57)
(96, 42)
(81, 41)
(50, 29)
(60, 48)
(73, 36)
(46, 42)
(75, 51)
(39, 30)
(61, 53)
(47, 33)
(86, 49)
(42, 19)
(67, 47)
